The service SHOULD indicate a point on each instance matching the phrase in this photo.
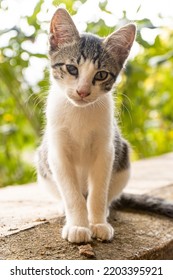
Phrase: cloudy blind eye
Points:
(72, 69)
(101, 75)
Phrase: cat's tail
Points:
(144, 203)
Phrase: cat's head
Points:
(86, 66)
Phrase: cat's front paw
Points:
(102, 231)
(76, 234)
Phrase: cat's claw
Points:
(102, 231)
(76, 234)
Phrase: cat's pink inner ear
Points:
(62, 29)
(120, 42)
(127, 35)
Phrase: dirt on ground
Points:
(137, 236)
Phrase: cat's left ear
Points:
(62, 29)
(120, 42)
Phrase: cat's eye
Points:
(72, 69)
(100, 76)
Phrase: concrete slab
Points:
(137, 236)
(30, 227)
(150, 174)
(22, 207)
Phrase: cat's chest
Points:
(81, 125)
(80, 135)
(82, 131)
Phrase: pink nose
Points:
(83, 93)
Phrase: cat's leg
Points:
(120, 172)
(99, 179)
(44, 176)
(76, 228)
(50, 187)
(118, 182)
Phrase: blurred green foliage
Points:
(148, 122)
(143, 96)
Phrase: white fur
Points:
(80, 131)
(80, 155)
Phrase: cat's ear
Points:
(120, 42)
(62, 29)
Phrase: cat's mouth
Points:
(80, 102)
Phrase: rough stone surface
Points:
(30, 227)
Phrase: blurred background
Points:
(144, 92)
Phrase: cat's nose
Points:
(83, 93)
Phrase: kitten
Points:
(83, 157)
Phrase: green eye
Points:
(101, 75)
(72, 69)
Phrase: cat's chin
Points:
(80, 103)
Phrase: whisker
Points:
(129, 100)
(128, 111)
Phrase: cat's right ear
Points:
(62, 29)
